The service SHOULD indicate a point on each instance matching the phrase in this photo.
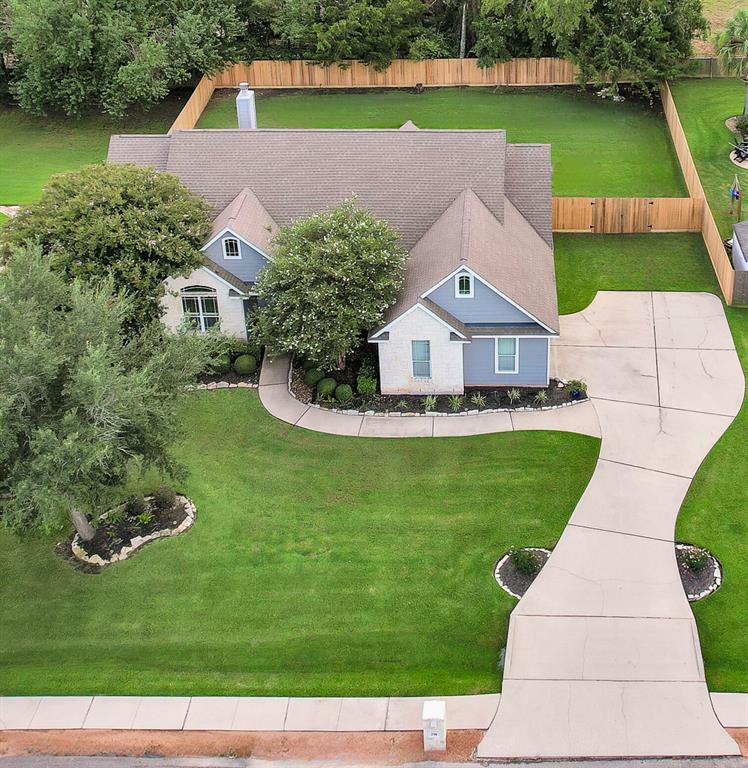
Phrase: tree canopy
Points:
(81, 403)
(332, 277)
(732, 49)
(134, 225)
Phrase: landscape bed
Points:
(599, 148)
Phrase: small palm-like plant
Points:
(455, 402)
(478, 399)
(732, 49)
(513, 394)
(429, 402)
(541, 398)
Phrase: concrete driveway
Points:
(603, 656)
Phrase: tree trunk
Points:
(341, 361)
(82, 526)
(463, 30)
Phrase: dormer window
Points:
(464, 286)
(231, 248)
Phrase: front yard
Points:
(600, 149)
(318, 565)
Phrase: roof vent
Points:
(246, 114)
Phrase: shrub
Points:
(741, 125)
(116, 515)
(308, 365)
(326, 387)
(367, 368)
(576, 385)
(429, 402)
(135, 505)
(313, 376)
(525, 561)
(695, 559)
(401, 405)
(343, 393)
(366, 386)
(478, 399)
(220, 364)
(541, 398)
(513, 394)
(455, 402)
(244, 365)
(145, 517)
(164, 498)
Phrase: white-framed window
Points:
(420, 352)
(463, 286)
(231, 248)
(507, 354)
(200, 307)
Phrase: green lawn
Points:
(33, 148)
(599, 148)
(319, 565)
(703, 106)
(715, 512)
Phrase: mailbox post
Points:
(434, 726)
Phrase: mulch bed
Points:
(514, 581)
(697, 582)
(494, 398)
(111, 537)
(230, 378)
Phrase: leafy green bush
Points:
(145, 517)
(244, 365)
(366, 386)
(741, 125)
(326, 387)
(307, 365)
(220, 364)
(313, 376)
(695, 559)
(116, 515)
(164, 498)
(343, 393)
(135, 506)
(525, 561)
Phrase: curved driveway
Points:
(603, 656)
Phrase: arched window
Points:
(231, 248)
(463, 286)
(200, 307)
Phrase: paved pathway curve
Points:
(603, 655)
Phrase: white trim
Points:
(511, 335)
(414, 361)
(496, 356)
(225, 282)
(470, 293)
(495, 290)
(238, 237)
(224, 241)
(407, 312)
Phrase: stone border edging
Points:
(222, 385)
(497, 568)
(137, 541)
(714, 586)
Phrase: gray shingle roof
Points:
(740, 230)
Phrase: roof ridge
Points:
(465, 225)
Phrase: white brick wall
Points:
(230, 308)
(395, 364)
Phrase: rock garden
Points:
(518, 568)
(700, 571)
(236, 363)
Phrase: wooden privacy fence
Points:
(734, 284)
(626, 215)
(195, 105)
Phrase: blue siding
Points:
(479, 364)
(484, 307)
(246, 268)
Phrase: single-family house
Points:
(479, 306)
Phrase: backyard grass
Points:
(34, 148)
(703, 106)
(599, 148)
(715, 511)
(319, 565)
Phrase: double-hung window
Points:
(200, 307)
(231, 248)
(421, 354)
(507, 355)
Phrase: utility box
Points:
(434, 726)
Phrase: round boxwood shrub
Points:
(244, 365)
(164, 498)
(220, 364)
(326, 387)
(313, 376)
(343, 393)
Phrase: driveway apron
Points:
(603, 656)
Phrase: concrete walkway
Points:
(603, 656)
(280, 403)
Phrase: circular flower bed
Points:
(700, 571)
(518, 568)
(140, 520)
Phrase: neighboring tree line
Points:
(110, 55)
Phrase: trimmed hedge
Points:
(313, 376)
(244, 365)
(326, 387)
(343, 393)
(220, 364)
